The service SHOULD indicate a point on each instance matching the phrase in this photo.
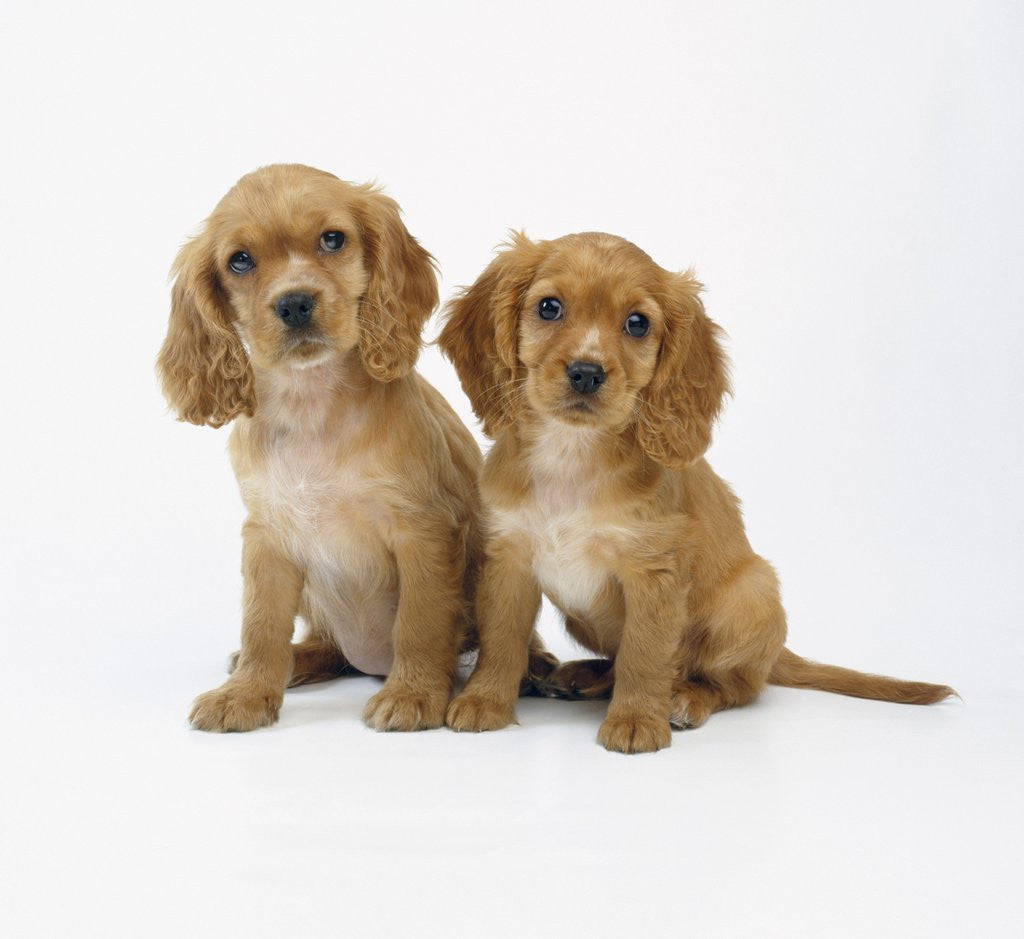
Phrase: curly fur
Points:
(402, 292)
(203, 367)
(684, 398)
(480, 333)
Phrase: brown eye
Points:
(331, 241)
(549, 309)
(637, 325)
(240, 262)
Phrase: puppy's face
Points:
(293, 266)
(587, 330)
(590, 328)
(291, 261)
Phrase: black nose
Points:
(585, 377)
(295, 309)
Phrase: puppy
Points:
(599, 376)
(297, 313)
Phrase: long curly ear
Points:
(203, 365)
(681, 403)
(402, 291)
(482, 330)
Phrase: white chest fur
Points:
(316, 499)
(574, 545)
(304, 487)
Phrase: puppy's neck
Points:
(567, 457)
(305, 398)
(583, 464)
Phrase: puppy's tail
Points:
(791, 671)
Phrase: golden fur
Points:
(359, 480)
(603, 501)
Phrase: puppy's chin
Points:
(307, 352)
(606, 414)
(577, 412)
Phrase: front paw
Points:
(634, 733)
(474, 712)
(404, 709)
(235, 707)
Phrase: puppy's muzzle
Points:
(585, 377)
(295, 308)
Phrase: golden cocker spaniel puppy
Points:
(296, 312)
(599, 376)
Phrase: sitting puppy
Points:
(297, 311)
(599, 376)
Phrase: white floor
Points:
(803, 815)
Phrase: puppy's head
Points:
(587, 330)
(293, 266)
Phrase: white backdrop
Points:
(846, 178)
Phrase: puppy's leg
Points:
(541, 664)
(729, 658)
(694, 700)
(426, 635)
(316, 660)
(252, 696)
(507, 602)
(581, 680)
(584, 679)
(646, 662)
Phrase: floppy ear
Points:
(683, 399)
(481, 333)
(402, 291)
(203, 365)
